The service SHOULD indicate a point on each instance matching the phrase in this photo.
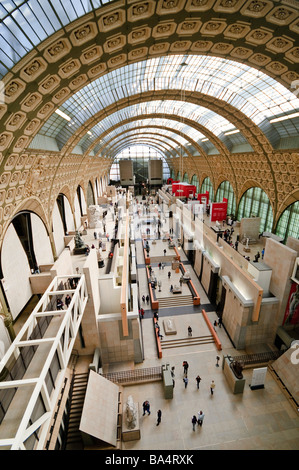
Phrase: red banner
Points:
(203, 198)
(183, 189)
(219, 211)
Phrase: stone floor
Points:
(261, 419)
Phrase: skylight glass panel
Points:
(250, 91)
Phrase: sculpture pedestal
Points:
(236, 385)
(128, 434)
(79, 251)
(169, 327)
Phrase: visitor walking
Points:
(169, 274)
(147, 299)
(201, 416)
(189, 331)
(193, 421)
(185, 380)
(212, 387)
(146, 407)
(159, 416)
(143, 298)
(198, 379)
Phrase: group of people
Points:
(147, 409)
(60, 304)
(198, 420)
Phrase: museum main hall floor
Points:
(263, 419)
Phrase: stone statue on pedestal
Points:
(131, 413)
(80, 246)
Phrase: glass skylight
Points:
(257, 95)
(25, 23)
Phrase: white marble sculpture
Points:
(131, 413)
(95, 216)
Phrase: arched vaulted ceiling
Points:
(205, 77)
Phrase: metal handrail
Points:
(128, 376)
(256, 358)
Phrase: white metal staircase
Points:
(33, 367)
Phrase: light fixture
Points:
(283, 118)
(204, 140)
(63, 115)
(231, 132)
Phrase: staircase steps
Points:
(176, 300)
(189, 341)
(74, 438)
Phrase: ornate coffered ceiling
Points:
(52, 59)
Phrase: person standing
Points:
(201, 416)
(193, 421)
(169, 274)
(159, 416)
(173, 376)
(67, 300)
(185, 365)
(263, 252)
(143, 298)
(185, 380)
(212, 387)
(189, 331)
(198, 379)
(147, 299)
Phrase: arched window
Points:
(207, 186)
(255, 203)
(225, 190)
(195, 182)
(288, 224)
(186, 179)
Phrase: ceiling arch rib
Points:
(142, 126)
(125, 138)
(258, 96)
(135, 134)
(109, 125)
(182, 138)
(208, 119)
(255, 137)
(232, 28)
(177, 121)
(154, 142)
